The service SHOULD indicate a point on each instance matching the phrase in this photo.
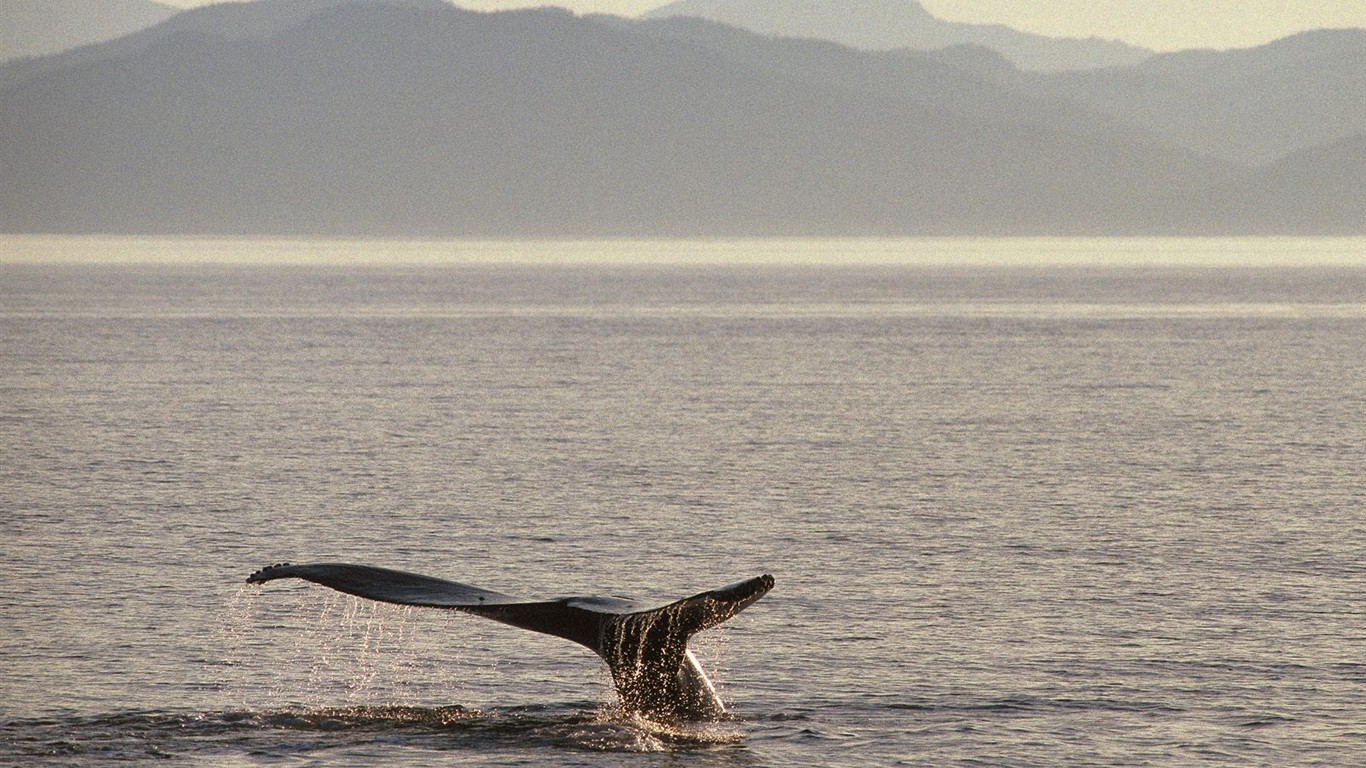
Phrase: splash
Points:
(313, 648)
(382, 717)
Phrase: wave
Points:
(290, 734)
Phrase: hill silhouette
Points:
(42, 27)
(1252, 106)
(227, 20)
(421, 119)
(891, 24)
(1316, 191)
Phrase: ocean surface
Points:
(1028, 503)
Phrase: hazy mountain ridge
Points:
(1248, 106)
(430, 120)
(42, 27)
(892, 24)
(1313, 191)
(228, 20)
(972, 82)
(1252, 106)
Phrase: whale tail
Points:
(646, 648)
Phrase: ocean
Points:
(1027, 502)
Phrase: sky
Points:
(1162, 25)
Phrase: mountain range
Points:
(416, 118)
(883, 25)
(41, 27)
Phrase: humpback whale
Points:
(645, 647)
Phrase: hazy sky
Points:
(1158, 24)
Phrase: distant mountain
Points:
(1319, 191)
(403, 121)
(421, 119)
(971, 82)
(235, 20)
(41, 27)
(890, 24)
(1249, 106)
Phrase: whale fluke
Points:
(645, 647)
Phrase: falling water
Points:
(351, 652)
